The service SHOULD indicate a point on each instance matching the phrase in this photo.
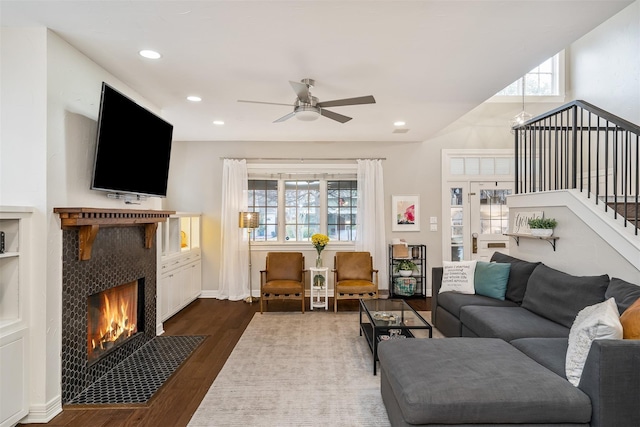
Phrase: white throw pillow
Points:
(599, 321)
(458, 276)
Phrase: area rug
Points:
(136, 379)
(294, 369)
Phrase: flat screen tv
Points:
(133, 147)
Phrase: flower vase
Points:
(319, 261)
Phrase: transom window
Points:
(327, 206)
(543, 80)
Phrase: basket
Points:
(404, 286)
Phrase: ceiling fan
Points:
(307, 107)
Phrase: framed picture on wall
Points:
(405, 213)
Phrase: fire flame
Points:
(114, 318)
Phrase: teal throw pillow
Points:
(491, 279)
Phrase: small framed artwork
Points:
(405, 213)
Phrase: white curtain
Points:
(234, 262)
(370, 218)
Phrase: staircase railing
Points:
(580, 146)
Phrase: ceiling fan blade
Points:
(262, 102)
(348, 101)
(302, 90)
(334, 116)
(283, 118)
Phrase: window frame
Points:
(313, 171)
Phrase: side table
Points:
(321, 298)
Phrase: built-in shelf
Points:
(89, 220)
(550, 239)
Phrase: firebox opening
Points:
(114, 316)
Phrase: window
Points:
(263, 198)
(302, 209)
(308, 206)
(543, 80)
(342, 207)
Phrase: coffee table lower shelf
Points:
(373, 330)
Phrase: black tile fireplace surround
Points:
(118, 256)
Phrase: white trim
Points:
(44, 413)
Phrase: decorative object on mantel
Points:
(542, 227)
(89, 220)
(319, 242)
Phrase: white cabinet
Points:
(14, 342)
(180, 268)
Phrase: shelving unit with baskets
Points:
(410, 286)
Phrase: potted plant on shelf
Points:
(405, 267)
(542, 227)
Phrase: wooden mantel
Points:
(89, 220)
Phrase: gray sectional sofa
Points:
(504, 360)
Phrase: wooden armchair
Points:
(354, 277)
(283, 277)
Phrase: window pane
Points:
(302, 199)
(261, 200)
(341, 215)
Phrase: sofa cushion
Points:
(623, 292)
(518, 275)
(491, 279)
(453, 302)
(509, 323)
(476, 381)
(630, 320)
(598, 321)
(549, 352)
(560, 296)
(458, 276)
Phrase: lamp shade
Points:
(248, 219)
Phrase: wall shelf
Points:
(550, 239)
(89, 220)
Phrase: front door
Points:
(489, 218)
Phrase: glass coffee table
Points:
(388, 319)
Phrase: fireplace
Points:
(119, 258)
(114, 317)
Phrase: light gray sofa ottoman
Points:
(479, 382)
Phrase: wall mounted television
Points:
(133, 148)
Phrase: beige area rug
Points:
(293, 369)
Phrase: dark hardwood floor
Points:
(223, 322)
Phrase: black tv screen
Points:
(133, 147)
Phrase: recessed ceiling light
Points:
(150, 54)
(194, 98)
(399, 123)
(218, 122)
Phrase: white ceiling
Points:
(426, 62)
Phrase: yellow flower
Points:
(319, 241)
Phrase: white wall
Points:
(605, 65)
(410, 168)
(50, 98)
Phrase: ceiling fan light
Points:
(307, 113)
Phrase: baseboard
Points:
(209, 294)
(159, 328)
(43, 413)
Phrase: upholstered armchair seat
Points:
(356, 286)
(283, 277)
(286, 287)
(354, 277)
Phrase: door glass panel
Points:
(457, 224)
(494, 213)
